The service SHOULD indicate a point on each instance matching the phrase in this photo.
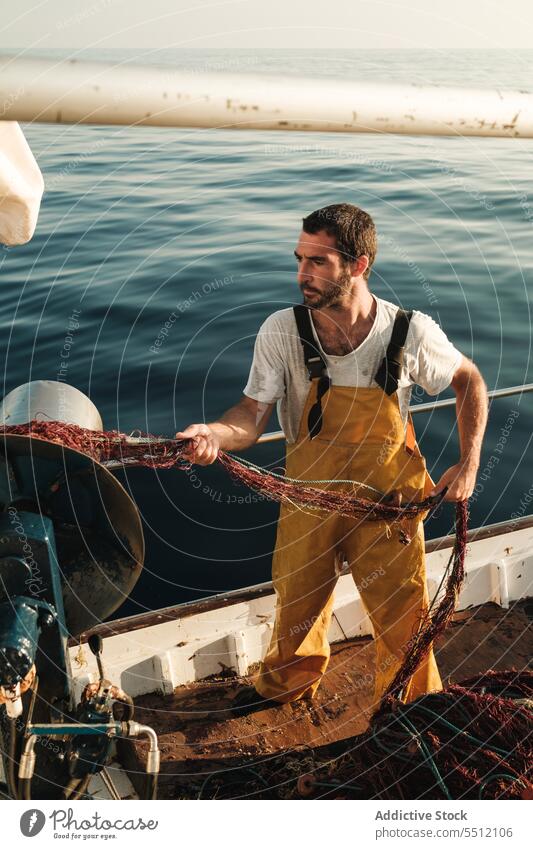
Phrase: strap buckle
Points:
(315, 367)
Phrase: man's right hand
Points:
(207, 444)
(237, 429)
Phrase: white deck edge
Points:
(188, 648)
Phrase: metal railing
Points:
(276, 435)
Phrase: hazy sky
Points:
(266, 23)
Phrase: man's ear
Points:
(359, 266)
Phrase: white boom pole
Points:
(72, 91)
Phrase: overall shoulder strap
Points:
(314, 361)
(316, 367)
(390, 370)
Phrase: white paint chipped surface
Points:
(74, 91)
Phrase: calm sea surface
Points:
(139, 223)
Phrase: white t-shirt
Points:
(278, 372)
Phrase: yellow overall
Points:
(363, 438)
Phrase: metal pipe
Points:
(276, 435)
(74, 728)
(109, 784)
(72, 92)
(27, 759)
(494, 393)
(135, 729)
(153, 758)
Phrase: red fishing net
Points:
(466, 740)
(109, 446)
(157, 452)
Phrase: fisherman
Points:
(341, 367)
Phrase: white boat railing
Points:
(160, 650)
(70, 91)
(276, 435)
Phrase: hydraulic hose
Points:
(25, 789)
(11, 755)
(8, 736)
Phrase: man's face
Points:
(322, 277)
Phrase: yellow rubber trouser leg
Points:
(304, 578)
(391, 579)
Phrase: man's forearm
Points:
(239, 427)
(472, 412)
(458, 482)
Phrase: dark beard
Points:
(332, 294)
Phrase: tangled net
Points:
(106, 446)
(471, 740)
(143, 449)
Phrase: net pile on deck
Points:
(470, 741)
(467, 741)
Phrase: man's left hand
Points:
(460, 480)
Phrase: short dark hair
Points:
(353, 228)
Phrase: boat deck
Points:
(198, 736)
